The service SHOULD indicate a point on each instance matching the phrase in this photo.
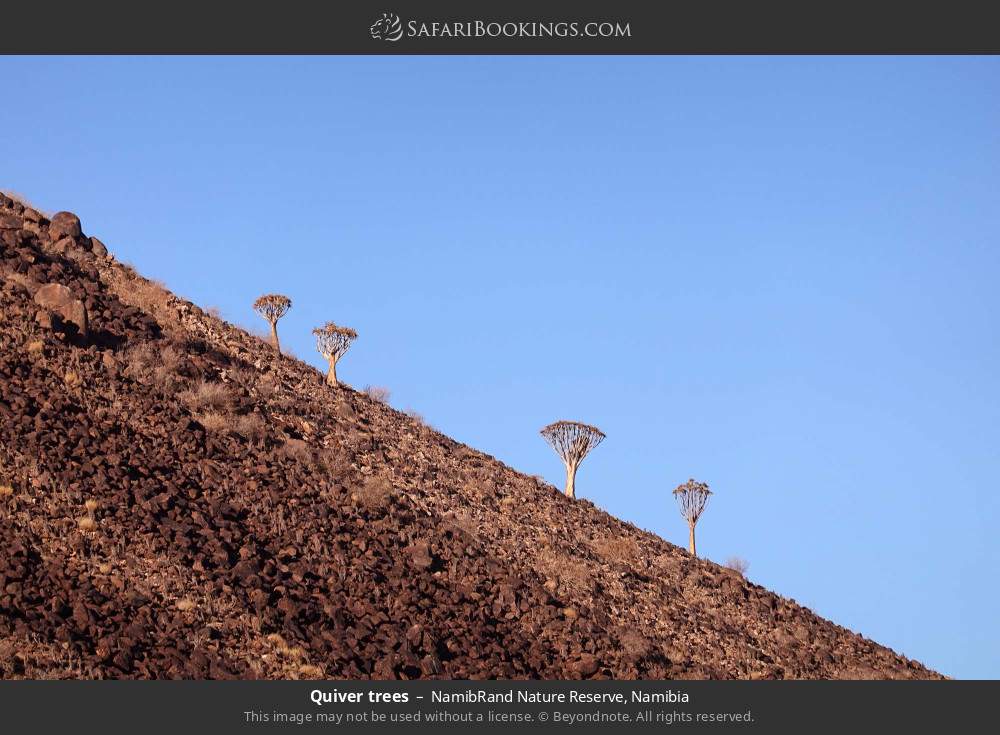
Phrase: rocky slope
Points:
(176, 500)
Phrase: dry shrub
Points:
(310, 672)
(415, 415)
(140, 359)
(251, 427)
(738, 564)
(375, 493)
(19, 197)
(185, 605)
(168, 362)
(206, 396)
(333, 462)
(617, 549)
(378, 393)
(569, 573)
(148, 362)
(214, 422)
(214, 311)
(150, 296)
(86, 523)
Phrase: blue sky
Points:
(776, 275)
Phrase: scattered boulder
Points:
(98, 248)
(58, 299)
(64, 224)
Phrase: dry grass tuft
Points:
(206, 396)
(6, 491)
(334, 463)
(18, 197)
(86, 524)
(378, 393)
(168, 362)
(569, 573)
(185, 604)
(310, 671)
(617, 549)
(374, 494)
(140, 359)
(149, 362)
(214, 422)
(150, 296)
(738, 564)
(251, 427)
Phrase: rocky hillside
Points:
(176, 500)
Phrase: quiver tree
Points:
(272, 307)
(332, 342)
(692, 497)
(572, 441)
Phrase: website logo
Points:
(387, 28)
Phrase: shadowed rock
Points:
(60, 300)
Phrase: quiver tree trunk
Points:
(331, 374)
(274, 336)
(691, 545)
(570, 480)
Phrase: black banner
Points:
(511, 27)
(612, 707)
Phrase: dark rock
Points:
(64, 224)
(586, 666)
(58, 299)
